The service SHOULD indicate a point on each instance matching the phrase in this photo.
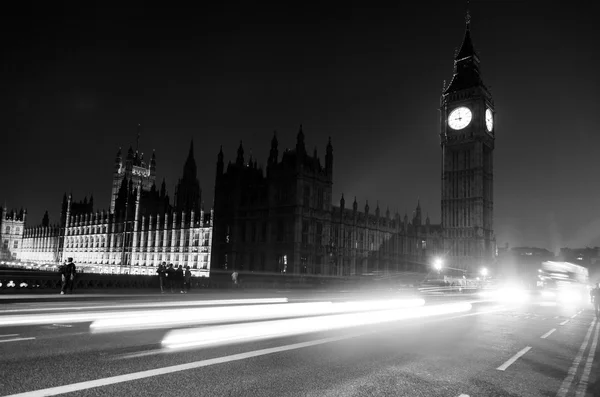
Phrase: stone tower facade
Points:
(134, 169)
(467, 135)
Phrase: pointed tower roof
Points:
(466, 64)
(189, 169)
(466, 49)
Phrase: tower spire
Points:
(468, 16)
(137, 142)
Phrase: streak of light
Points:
(249, 332)
(156, 304)
(214, 315)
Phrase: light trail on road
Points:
(177, 318)
(250, 332)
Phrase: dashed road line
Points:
(585, 377)
(16, 339)
(7, 335)
(574, 315)
(566, 384)
(547, 334)
(74, 387)
(564, 322)
(513, 359)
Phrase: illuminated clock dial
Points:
(489, 120)
(460, 118)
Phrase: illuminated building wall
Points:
(141, 230)
(12, 224)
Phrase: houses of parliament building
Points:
(141, 229)
(283, 218)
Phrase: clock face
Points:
(460, 118)
(489, 120)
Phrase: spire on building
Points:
(240, 155)
(274, 154)
(137, 141)
(466, 63)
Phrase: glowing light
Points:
(507, 294)
(569, 296)
(484, 271)
(437, 264)
(236, 333)
(216, 315)
(548, 294)
(459, 118)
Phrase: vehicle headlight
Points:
(569, 296)
(548, 294)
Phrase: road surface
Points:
(78, 346)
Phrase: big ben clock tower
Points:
(467, 134)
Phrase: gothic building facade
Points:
(467, 136)
(141, 229)
(12, 224)
(282, 220)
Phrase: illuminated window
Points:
(7, 229)
(16, 244)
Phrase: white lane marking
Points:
(547, 334)
(583, 382)
(16, 339)
(513, 359)
(464, 395)
(7, 335)
(53, 391)
(566, 384)
(574, 315)
(555, 316)
(564, 322)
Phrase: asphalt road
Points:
(479, 349)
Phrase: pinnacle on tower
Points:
(240, 155)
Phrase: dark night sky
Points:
(75, 86)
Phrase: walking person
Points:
(188, 279)
(595, 295)
(162, 274)
(234, 278)
(68, 271)
(179, 278)
(170, 276)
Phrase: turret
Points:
(118, 160)
(300, 148)
(342, 204)
(220, 164)
(354, 206)
(329, 159)
(417, 219)
(153, 164)
(367, 208)
(46, 219)
(239, 161)
(274, 153)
